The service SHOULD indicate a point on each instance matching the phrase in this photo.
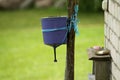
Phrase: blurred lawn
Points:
(23, 56)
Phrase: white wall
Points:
(112, 36)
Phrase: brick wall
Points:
(112, 36)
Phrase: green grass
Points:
(23, 55)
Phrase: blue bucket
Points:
(54, 30)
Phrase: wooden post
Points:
(69, 72)
(101, 65)
(102, 69)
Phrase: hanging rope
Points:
(74, 20)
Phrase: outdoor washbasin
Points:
(54, 30)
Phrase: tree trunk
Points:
(69, 72)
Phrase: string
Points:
(55, 29)
(74, 20)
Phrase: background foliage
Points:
(90, 5)
(84, 5)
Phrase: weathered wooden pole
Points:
(69, 71)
